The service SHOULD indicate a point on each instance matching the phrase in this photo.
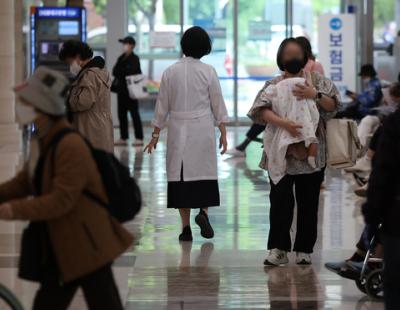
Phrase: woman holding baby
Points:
(295, 107)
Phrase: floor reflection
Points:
(191, 277)
(294, 288)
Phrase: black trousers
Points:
(391, 274)
(99, 289)
(254, 131)
(307, 188)
(127, 105)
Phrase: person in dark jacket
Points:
(127, 64)
(364, 102)
(383, 205)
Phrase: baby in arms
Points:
(277, 141)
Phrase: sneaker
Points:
(138, 143)
(121, 142)
(204, 224)
(236, 153)
(303, 259)
(360, 180)
(362, 191)
(276, 257)
(186, 234)
(362, 165)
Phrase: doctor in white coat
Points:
(191, 101)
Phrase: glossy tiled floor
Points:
(227, 272)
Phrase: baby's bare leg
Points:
(312, 155)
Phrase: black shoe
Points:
(186, 234)
(205, 226)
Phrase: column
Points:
(117, 27)
(10, 137)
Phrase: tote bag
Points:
(137, 86)
(343, 144)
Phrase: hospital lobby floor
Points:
(226, 272)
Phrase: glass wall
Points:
(261, 24)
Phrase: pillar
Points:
(10, 137)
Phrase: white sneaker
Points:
(236, 153)
(303, 259)
(276, 257)
(121, 142)
(362, 165)
(138, 143)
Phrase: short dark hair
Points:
(196, 42)
(394, 90)
(73, 48)
(305, 43)
(281, 50)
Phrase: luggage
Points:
(343, 144)
(137, 86)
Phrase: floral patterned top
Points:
(323, 85)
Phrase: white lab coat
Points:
(190, 99)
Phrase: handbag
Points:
(343, 144)
(33, 241)
(33, 248)
(114, 85)
(137, 86)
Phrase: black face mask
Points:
(293, 66)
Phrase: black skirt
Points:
(193, 194)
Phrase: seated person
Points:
(383, 205)
(278, 142)
(365, 102)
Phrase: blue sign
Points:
(336, 23)
(59, 12)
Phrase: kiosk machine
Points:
(50, 27)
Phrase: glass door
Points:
(262, 27)
(216, 17)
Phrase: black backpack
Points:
(124, 197)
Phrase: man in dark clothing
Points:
(383, 205)
(127, 64)
(365, 102)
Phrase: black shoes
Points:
(204, 224)
(186, 234)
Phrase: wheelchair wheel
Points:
(9, 299)
(360, 283)
(374, 284)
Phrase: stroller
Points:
(368, 275)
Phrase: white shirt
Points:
(191, 98)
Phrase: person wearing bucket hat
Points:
(364, 104)
(127, 64)
(71, 241)
(90, 98)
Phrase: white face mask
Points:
(126, 48)
(74, 68)
(25, 114)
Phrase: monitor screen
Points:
(68, 28)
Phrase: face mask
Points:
(293, 66)
(366, 80)
(74, 68)
(25, 114)
(126, 48)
